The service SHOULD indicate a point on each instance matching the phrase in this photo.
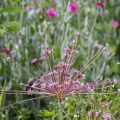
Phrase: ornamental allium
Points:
(6, 51)
(100, 4)
(52, 13)
(61, 81)
(116, 24)
(73, 7)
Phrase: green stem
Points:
(61, 110)
(89, 63)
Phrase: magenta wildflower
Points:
(73, 7)
(52, 13)
(100, 4)
(6, 51)
(116, 24)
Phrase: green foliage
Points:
(36, 31)
(16, 1)
(2, 95)
(12, 26)
(11, 10)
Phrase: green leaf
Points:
(1, 56)
(13, 26)
(2, 95)
(2, 31)
(16, 1)
(10, 10)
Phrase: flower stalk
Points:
(61, 109)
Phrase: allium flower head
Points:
(52, 13)
(116, 24)
(100, 4)
(73, 7)
(61, 81)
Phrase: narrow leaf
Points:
(10, 10)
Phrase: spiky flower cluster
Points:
(61, 81)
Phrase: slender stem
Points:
(89, 63)
(19, 102)
(61, 110)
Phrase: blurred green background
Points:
(26, 30)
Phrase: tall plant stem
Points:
(61, 110)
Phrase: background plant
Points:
(37, 31)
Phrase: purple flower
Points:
(106, 116)
(30, 91)
(60, 81)
(109, 81)
(91, 113)
(98, 113)
(34, 60)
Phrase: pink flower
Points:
(6, 51)
(97, 113)
(115, 24)
(33, 60)
(100, 4)
(78, 34)
(91, 112)
(73, 7)
(106, 116)
(30, 91)
(52, 13)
